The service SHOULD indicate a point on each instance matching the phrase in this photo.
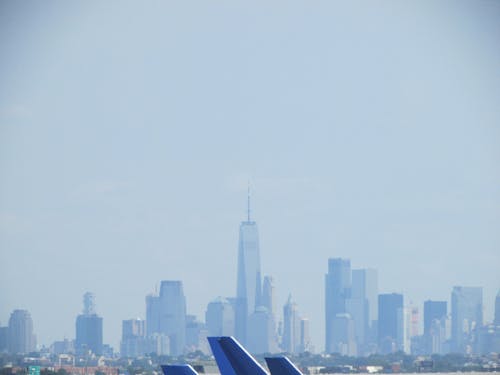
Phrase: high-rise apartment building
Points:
(249, 285)
(88, 328)
(391, 333)
(219, 318)
(21, 339)
(466, 315)
(337, 291)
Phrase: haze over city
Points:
(129, 133)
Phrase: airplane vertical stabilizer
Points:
(241, 361)
(282, 366)
(223, 363)
(178, 370)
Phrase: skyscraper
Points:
(261, 335)
(390, 322)
(291, 327)
(21, 339)
(363, 307)
(433, 310)
(172, 305)
(249, 287)
(88, 328)
(466, 315)
(219, 318)
(343, 339)
(152, 314)
(337, 291)
(133, 334)
(268, 294)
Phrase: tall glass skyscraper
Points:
(390, 322)
(172, 303)
(249, 286)
(337, 291)
(466, 314)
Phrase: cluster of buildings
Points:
(358, 320)
(250, 316)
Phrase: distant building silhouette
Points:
(88, 328)
(337, 291)
(362, 306)
(196, 335)
(249, 286)
(261, 336)
(268, 295)
(4, 339)
(435, 318)
(390, 322)
(173, 315)
(21, 339)
(305, 336)
(466, 316)
(343, 338)
(133, 338)
(291, 327)
(219, 318)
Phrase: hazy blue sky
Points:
(129, 130)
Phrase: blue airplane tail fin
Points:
(223, 363)
(241, 361)
(178, 370)
(282, 366)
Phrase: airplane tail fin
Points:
(178, 370)
(223, 363)
(282, 366)
(241, 361)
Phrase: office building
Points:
(88, 328)
(391, 332)
(466, 316)
(4, 339)
(21, 339)
(196, 335)
(435, 319)
(219, 318)
(337, 291)
(133, 338)
(152, 314)
(249, 285)
(291, 327)
(261, 335)
(268, 294)
(343, 338)
(305, 336)
(433, 311)
(172, 304)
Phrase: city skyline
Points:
(129, 132)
